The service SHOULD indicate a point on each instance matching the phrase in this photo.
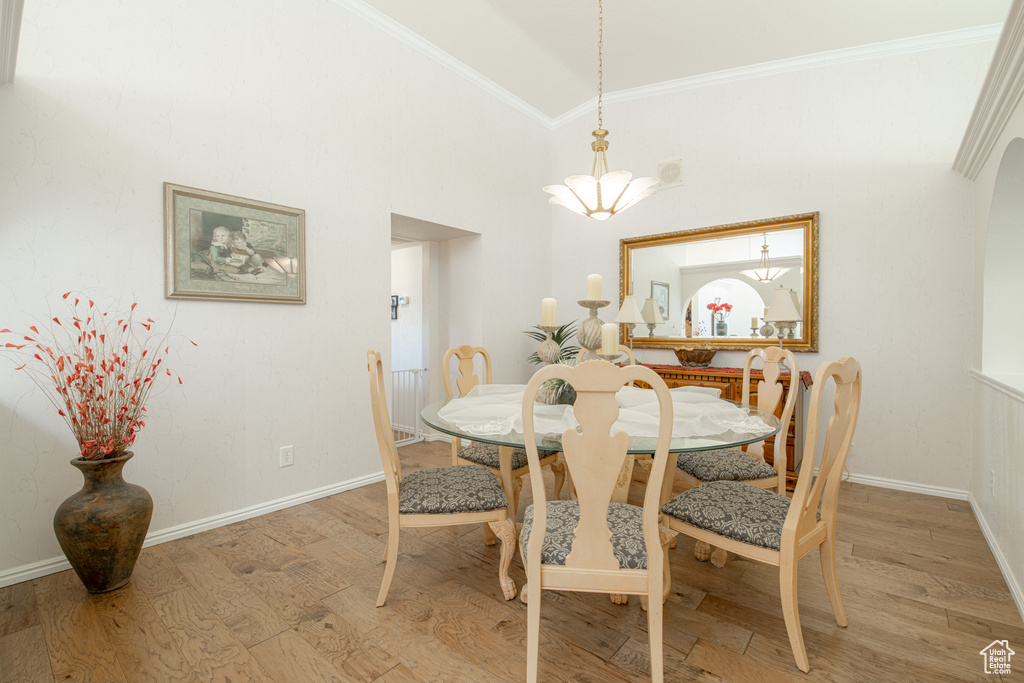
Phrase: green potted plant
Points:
(98, 369)
(556, 391)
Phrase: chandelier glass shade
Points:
(765, 272)
(603, 193)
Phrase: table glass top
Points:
(644, 444)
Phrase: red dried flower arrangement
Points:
(719, 311)
(97, 372)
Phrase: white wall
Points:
(407, 329)
(869, 144)
(301, 104)
(997, 476)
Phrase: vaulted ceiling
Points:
(545, 51)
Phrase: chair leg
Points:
(532, 636)
(391, 559)
(791, 611)
(654, 632)
(513, 505)
(506, 531)
(702, 551)
(558, 469)
(719, 557)
(489, 538)
(827, 550)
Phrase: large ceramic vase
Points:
(101, 528)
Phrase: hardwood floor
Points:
(290, 597)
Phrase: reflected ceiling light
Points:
(602, 193)
(764, 271)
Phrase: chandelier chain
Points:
(600, 63)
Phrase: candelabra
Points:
(549, 350)
(589, 332)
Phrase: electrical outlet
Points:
(992, 483)
(287, 456)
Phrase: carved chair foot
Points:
(619, 598)
(719, 557)
(702, 551)
(522, 593)
(506, 531)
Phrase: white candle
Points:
(593, 287)
(547, 312)
(609, 339)
(753, 322)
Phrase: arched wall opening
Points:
(1003, 290)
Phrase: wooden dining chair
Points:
(766, 526)
(630, 356)
(441, 496)
(490, 455)
(598, 543)
(747, 464)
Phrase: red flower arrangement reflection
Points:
(97, 369)
(719, 311)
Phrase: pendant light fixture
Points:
(603, 193)
(764, 271)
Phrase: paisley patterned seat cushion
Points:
(458, 488)
(486, 454)
(625, 522)
(724, 464)
(738, 511)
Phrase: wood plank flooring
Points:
(290, 597)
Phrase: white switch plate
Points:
(287, 456)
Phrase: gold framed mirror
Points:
(711, 285)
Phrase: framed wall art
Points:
(227, 248)
(659, 292)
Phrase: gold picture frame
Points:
(221, 247)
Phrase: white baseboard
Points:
(57, 564)
(437, 436)
(927, 489)
(1004, 566)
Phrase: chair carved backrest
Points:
(598, 460)
(824, 488)
(622, 349)
(467, 378)
(769, 394)
(382, 424)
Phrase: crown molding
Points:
(967, 36)
(425, 47)
(1000, 94)
(10, 29)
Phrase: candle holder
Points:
(610, 357)
(549, 350)
(589, 332)
(753, 331)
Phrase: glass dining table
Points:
(768, 425)
(637, 444)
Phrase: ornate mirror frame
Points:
(808, 339)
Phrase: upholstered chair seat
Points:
(625, 522)
(726, 464)
(486, 454)
(738, 511)
(445, 490)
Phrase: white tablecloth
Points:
(497, 409)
